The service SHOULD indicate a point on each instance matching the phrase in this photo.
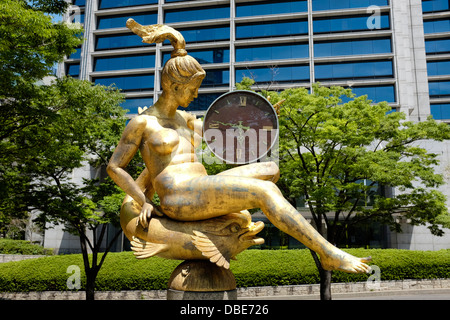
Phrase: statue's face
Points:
(187, 93)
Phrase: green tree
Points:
(30, 45)
(50, 130)
(336, 155)
(83, 133)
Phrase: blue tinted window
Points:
(277, 74)
(435, 5)
(133, 104)
(342, 24)
(436, 26)
(73, 70)
(120, 21)
(104, 4)
(206, 56)
(118, 42)
(437, 46)
(345, 4)
(80, 3)
(128, 83)
(272, 52)
(439, 89)
(203, 101)
(193, 35)
(271, 29)
(440, 111)
(355, 70)
(377, 93)
(438, 68)
(352, 47)
(124, 62)
(196, 14)
(76, 54)
(216, 78)
(270, 7)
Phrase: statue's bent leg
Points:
(207, 197)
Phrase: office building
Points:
(395, 51)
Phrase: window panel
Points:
(436, 26)
(440, 111)
(119, 21)
(438, 68)
(435, 5)
(73, 70)
(178, 15)
(359, 23)
(437, 46)
(346, 4)
(218, 55)
(76, 54)
(133, 104)
(355, 70)
(106, 4)
(79, 3)
(128, 83)
(124, 62)
(271, 29)
(376, 93)
(203, 101)
(272, 52)
(439, 89)
(216, 78)
(270, 7)
(276, 74)
(119, 42)
(193, 35)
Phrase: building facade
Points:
(395, 51)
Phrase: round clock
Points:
(240, 127)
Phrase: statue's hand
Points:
(145, 215)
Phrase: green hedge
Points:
(9, 246)
(122, 271)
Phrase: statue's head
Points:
(182, 74)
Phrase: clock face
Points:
(240, 127)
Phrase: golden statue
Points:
(200, 216)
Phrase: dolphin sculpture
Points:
(218, 240)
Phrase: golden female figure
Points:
(167, 137)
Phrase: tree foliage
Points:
(30, 45)
(51, 130)
(342, 154)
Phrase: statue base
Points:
(201, 280)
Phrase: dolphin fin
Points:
(143, 249)
(209, 250)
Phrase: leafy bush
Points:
(9, 246)
(122, 271)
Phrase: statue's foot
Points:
(342, 261)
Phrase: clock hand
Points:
(233, 125)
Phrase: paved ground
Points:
(436, 294)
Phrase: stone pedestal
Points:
(201, 280)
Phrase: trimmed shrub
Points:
(23, 247)
(122, 271)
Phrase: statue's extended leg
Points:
(206, 197)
